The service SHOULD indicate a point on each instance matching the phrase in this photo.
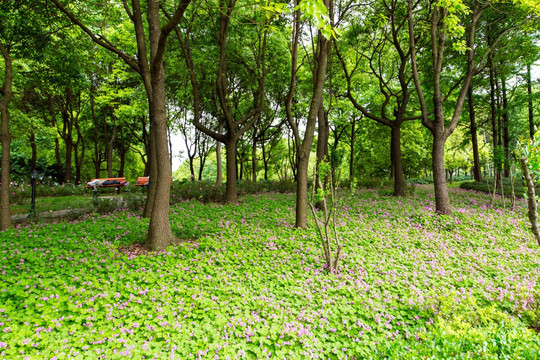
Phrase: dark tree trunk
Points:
(397, 161)
(322, 146)
(97, 155)
(79, 151)
(505, 135)
(530, 101)
(6, 92)
(219, 170)
(474, 137)
(305, 144)
(231, 193)
(58, 159)
(254, 156)
(265, 160)
(442, 201)
(351, 157)
(110, 147)
(33, 146)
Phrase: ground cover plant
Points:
(245, 284)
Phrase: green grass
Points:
(46, 204)
(247, 285)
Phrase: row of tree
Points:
(110, 80)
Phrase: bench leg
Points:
(118, 190)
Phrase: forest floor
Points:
(243, 283)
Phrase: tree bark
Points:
(530, 101)
(474, 137)
(399, 178)
(231, 193)
(505, 134)
(305, 144)
(6, 91)
(219, 170)
(442, 201)
(531, 200)
(351, 157)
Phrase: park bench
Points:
(121, 182)
(142, 181)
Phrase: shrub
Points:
(105, 205)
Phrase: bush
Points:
(105, 205)
(134, 200)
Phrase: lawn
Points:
(246, 284)
(46, 204)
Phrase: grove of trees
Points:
(381, 89)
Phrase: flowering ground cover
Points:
(246, 284)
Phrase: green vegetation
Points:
(246, 284)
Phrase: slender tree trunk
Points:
(58, 159)
(110, 148)
(265, 160)
(152, 167)
(530, 101)
(301, 190)
(97, 155)
(33, 146)
(505, 134)
(474, 137)
(254, 158)
(322, 147)
(442, 201)
(5, 139)
(231, 193)
(351, 157)
(531, 200)
(219, 170)
(397, 161)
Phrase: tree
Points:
(150, 41)
(6, 91)
(445, 30)
(380, 47)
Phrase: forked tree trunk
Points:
(5, 139)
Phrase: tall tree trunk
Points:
(397, 161)
(219, 170)
(265, 161)
(474, 137)
(6, 91)
(505, 134)
(110, 147)
(231, 193)
(305, 144)
(530, 101)
(97, 156)
(152, 168)
(322, 147)
(351, 157)
(254, 156)
(33, 146)
(58, 159)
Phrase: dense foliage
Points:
(246, 284)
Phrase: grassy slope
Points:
(412, 284)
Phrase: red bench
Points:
(121, 182)
(142, 181)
